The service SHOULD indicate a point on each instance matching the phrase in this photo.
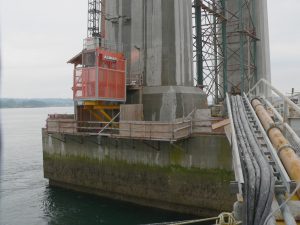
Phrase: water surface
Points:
(26, 198)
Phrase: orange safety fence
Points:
(111, 84)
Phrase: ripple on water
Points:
(25, 197)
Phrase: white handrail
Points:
(287, 126)
(285, 98)
(235, 153)
(113, 119)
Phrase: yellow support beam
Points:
(108, 117)
(99, 105)
(91, 103)
(99, 117)
(102, 107)
(96, 115)
(107, 107)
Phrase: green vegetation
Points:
(34, 103)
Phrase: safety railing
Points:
(145, 130)
(134, 80)
(263, 88)
(92, 43)
(181, 128)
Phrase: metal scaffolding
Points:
(224, 46)
(93, 18)
(96, 18)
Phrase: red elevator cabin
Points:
(99, 85)
(102, 76)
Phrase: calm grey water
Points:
(26, 198)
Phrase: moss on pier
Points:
(219, 175)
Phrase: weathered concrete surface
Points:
(191, 176)
(156, 37)
(168, 103)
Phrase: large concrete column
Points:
(156, 36)
(263, 46)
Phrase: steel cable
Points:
(248, 169)
(266, 181)
(259, 183)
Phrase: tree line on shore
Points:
(34, 103)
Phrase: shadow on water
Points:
(72, 208)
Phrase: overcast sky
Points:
(39, 36)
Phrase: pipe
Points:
(287, 155)
(286, 125)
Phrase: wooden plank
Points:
(220, 124)
(132, 112)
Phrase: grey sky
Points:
(38, 37)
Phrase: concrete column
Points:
(263, 46)
(157, 41)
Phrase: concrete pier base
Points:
(167, 103)
(191, 176)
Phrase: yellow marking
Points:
(295, 198)
(283, 223)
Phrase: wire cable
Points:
(283, 204)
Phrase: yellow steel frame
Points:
(97, 106)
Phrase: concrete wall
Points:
(263, 45)
(191, 176)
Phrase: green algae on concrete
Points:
(169, 176)
(210, 174)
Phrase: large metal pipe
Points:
(286, 153)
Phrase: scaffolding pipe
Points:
(199, 55)
(285, 151)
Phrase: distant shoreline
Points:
(11, 103)
(36, 107)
